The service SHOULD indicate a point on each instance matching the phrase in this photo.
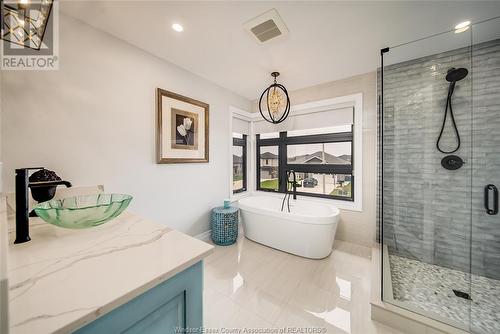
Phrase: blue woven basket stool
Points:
(224, 225)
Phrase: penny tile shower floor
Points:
(429, 288)
(248, 285)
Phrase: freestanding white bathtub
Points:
(308, 230)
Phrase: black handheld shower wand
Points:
(453, 75)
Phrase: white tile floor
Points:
(248, 285)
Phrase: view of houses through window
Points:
(269, 168)
(322, 164)
(326, 184)
(325, 153)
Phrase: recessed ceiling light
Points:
(177, 27)
(462, 26)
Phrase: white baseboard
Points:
(205, 236)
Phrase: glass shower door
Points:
(440, 219)
(485, 255)
(426, 207)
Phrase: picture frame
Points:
(182, 129)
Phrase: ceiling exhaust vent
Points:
(267, 26)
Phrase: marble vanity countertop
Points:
(63, 279)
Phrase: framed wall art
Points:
(182, 128)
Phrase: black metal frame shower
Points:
(381, 168)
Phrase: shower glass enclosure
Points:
(438, 212)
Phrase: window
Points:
(324, 153)
(322, 162)
(335, 185)
(239, 163)
(268, 168)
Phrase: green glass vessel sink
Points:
(83, 211)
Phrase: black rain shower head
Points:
(456, 74)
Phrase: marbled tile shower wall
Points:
(427, 209)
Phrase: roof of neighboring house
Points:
(237, 159)
(346, 157)
(314, 158)
(317, 157)
(268, 155)
(311, 160)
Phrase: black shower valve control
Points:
(452, 162)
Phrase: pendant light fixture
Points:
(24, 22)
(274, 103)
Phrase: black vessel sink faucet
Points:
(22, 201)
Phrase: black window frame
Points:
(283, 166)
(242, 142)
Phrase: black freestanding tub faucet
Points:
(22, 200)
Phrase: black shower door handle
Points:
(487, 190)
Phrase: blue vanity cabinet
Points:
(175, 303)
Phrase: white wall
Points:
(93, 122)
(4, 283)
(1, 139)
(356, 227)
